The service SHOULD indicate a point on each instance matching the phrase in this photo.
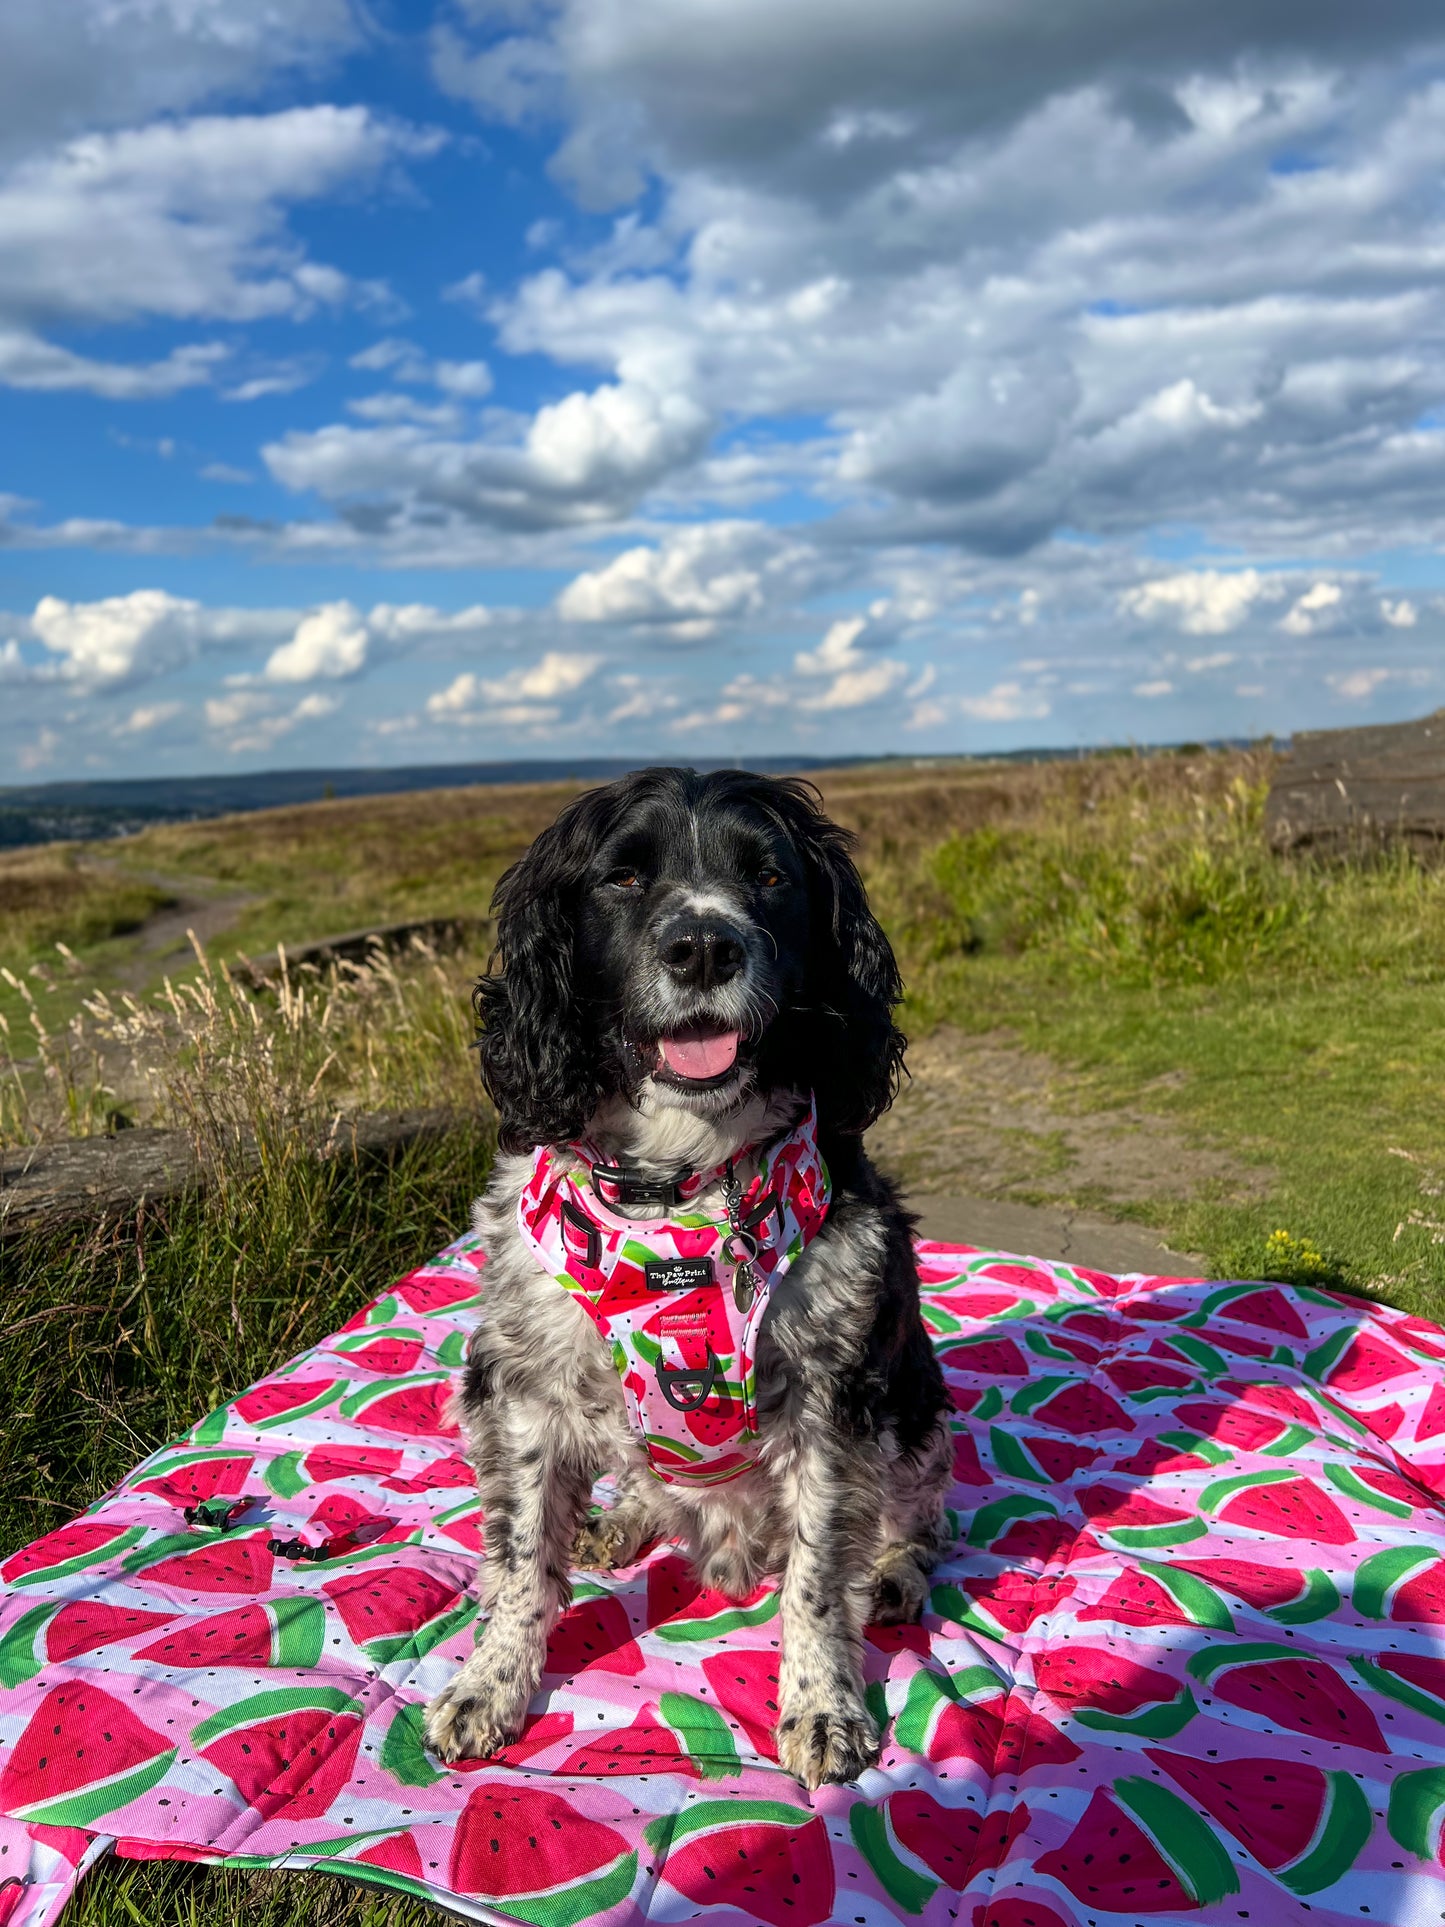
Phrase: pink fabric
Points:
(652, 1327)
(1186, 1663)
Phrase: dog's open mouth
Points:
(698, 1059)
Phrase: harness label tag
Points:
(678, 1274)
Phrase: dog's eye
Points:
(769, 879)
(625, 879)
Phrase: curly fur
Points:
(846, 1502)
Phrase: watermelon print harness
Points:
(679, 1300)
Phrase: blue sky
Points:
(400, 383)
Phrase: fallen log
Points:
(44, 1186)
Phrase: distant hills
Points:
(48, 812)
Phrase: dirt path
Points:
(984, 1119)
(200, 904)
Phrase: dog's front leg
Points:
(825, 1732)
(533, 1501)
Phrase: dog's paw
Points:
(827, 1745)
(605, 1542)
(899, 1588)
(466, 1722)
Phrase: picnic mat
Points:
(1187, 1660)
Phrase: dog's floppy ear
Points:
(538, 1066)
(859, 985)
(854, 1050)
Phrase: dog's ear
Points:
(861, 1060)
(538, 1066)
(852, 1049)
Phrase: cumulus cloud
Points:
(73, 65)
(588, 458)
(1201, 602)
(332, 641)
(699, 577)
(121, 640)
(525, 697)
(1007, 702)
(1311, 609)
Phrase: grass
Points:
(1121, 915)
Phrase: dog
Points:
(687, 977)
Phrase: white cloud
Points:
(1006, 702)
(1151, 691)
(523, 696)
(854, 677)
(121, 639)
(27, 361)
(1201, 602)
(1400, 613)
(1308, 612)
(700, 576)
(1357, 685)
(588, 458)
(250, 722)
(1204, 665)
(148, 716)
(331, 641)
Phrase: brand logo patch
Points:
(678, 1274)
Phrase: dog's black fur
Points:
(676, 902)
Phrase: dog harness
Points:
(679, 1300)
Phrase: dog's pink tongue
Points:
(699, 1056)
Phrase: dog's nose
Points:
(702, 952)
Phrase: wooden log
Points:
(1346, 789)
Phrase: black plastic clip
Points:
(674, 1380)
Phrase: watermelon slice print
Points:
(1136, 1522)
(915, 1845)
(992, 1356)
(233, 1564)
(416, 1406)
(283, 1632)
(1262, 1305)
(953, 1717)
(1140, 1850)
(288, 1751)
(1076, 1406)
(537, 1858)
(81, 1756)
(767, 1861)
(1103, 1690)
(1417, 1680)
(1245, 1427)
(1159, 1595)
(191, 1477)
(1280, 1505)
(71, 1549)
(745, 1685)
(49, 1634)
(1284, 1592)
(283, 1400)
(383, 1611)
(1305, 1825)
(1416, 1812)
(1279, 1685)
(1355, 1362)
(593, 1633)
(392, 1351)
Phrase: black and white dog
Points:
(683, 959)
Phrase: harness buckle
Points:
(632, 1186)
(674, 1381)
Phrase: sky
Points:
(404, 383)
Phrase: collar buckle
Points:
(629, 1185)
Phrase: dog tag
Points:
(678, 1274)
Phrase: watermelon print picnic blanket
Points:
(1186, 1662)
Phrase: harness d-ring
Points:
(671, 1382)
